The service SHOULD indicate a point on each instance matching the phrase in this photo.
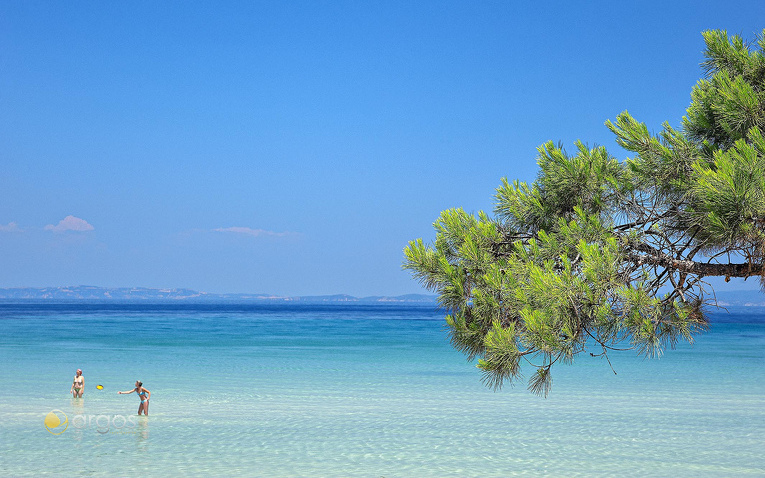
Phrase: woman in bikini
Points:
(78, 385)
(144, 394)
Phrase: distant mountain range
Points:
(751, 298)
(85, 292)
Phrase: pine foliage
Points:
(599, 254)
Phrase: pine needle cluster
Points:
(599, 254)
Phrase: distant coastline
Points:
(736, 298)
(741, 298)
(143, 294)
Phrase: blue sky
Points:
(296, 147)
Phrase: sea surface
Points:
(350, 390)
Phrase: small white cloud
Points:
(10, 227)
(252, 232)
(70, 223)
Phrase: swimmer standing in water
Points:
(144, 394)
(78, 385)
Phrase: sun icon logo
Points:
(56, 422)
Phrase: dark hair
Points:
(140, 384)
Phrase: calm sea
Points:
(349, 390)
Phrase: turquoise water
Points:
(359, 391)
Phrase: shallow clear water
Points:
(348, 390)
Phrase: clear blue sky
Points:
(296, 147)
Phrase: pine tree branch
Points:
(701, 269)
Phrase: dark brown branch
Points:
(644, 221)
(700, 269)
